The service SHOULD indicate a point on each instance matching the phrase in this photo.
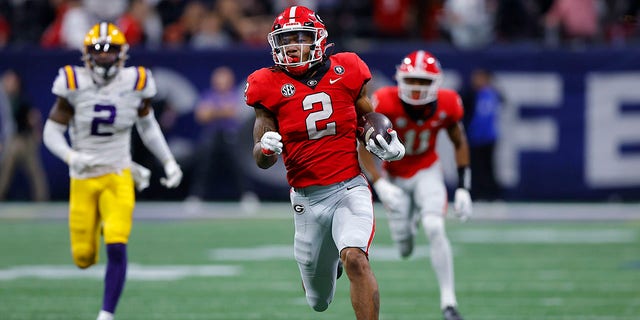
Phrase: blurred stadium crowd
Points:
(194, 27)
(201, 24)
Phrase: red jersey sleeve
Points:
(451, 102)
(352, 80)
(254, 88)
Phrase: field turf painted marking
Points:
(545, 236)
(134, 272)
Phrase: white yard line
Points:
(134, 272)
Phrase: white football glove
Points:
(141, 176)
(79, 161)
(173, 173)
(271, 143)
(389, 151)
(462, 204)
(388, 193)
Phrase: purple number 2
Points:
(110, 119)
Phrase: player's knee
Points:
(116, 234)
(355, 262)
(84, 256)
(433, 226)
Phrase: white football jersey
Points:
(103, 115)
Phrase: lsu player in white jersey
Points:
(99, 104)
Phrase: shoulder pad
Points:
(141, 80)
(69, 79)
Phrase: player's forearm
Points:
(262, 160)
(460, 144)
(54, 140)
(153, 138)
(368, 163)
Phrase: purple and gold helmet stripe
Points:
(104, 32)
(141, 81)
(72, 82)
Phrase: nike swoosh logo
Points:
(332, 81)
(349, 188)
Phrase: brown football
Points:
(372, 124)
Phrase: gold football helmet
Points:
(105, 51)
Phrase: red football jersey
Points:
(419, 137)
(316, 117)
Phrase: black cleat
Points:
(339, 274)
(451, 313)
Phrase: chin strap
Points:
(102, 75)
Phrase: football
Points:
(372, 124)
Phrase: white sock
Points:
(441, 258)
(105, 315)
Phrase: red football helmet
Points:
(295, 29)
(419, 77)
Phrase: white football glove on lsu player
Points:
(173, 174)
(386, 151)
(79, 161)
(141, 176)
(271, 143)
(388, 193)
(54, 140)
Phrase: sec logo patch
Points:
(288, 90)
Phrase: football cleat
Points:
(405, 247)
(104, 315)
(451, 313)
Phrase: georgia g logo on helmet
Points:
(104, 51)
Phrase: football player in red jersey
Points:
(306, 109)
(412, 189)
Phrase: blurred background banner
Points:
(570, 120)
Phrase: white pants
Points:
(327, 220)
(425, 201)
(424, 194)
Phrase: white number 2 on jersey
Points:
(313, 117)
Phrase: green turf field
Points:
(242, 268)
